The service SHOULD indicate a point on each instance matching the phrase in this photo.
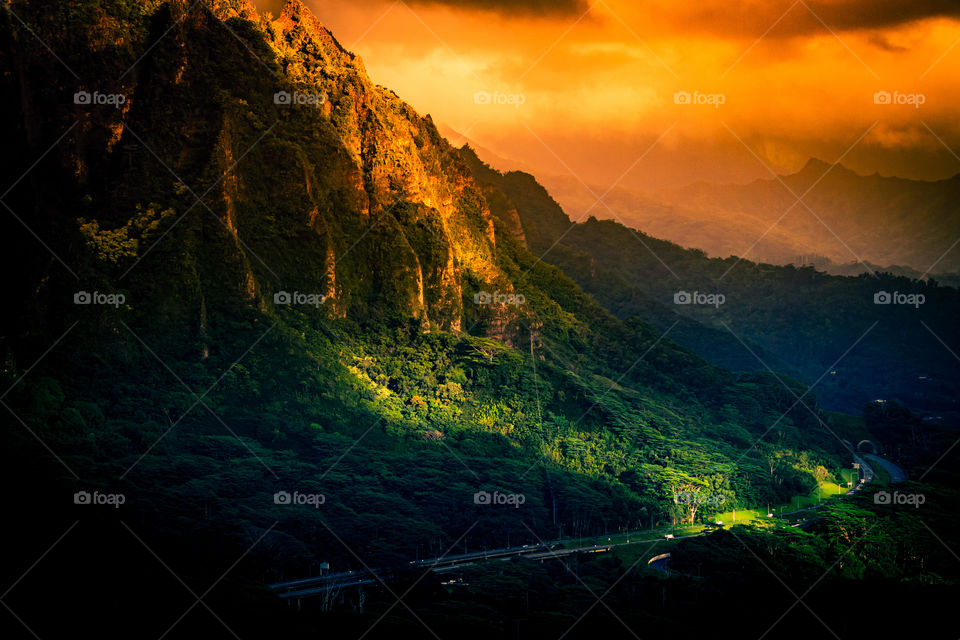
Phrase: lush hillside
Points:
(264, 321)
(825, 330)
(241, 269)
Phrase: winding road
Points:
(897, 474)
(307, 587)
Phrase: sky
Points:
(655, 94)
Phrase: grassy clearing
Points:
(738, 516)
(818, 495)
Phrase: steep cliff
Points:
(291, 171)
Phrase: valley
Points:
(281, 361)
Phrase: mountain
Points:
(263, 322)
(891, 224)
(237, 270)
(360, 157)
(823, 330)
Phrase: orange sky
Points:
(589, 88)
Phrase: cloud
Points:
(788, 18)
(882, 42)
(883, 13)
(610, 80)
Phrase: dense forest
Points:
(235, 298)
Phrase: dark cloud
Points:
(881, 42)
(747, 18)
(859, 14)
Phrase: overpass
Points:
(306, 587)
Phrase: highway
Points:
(897, 474)
(306, 587)
(866, 473)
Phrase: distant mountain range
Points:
(846, 223)
(792, 320)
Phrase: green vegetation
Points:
(398, 395)
(400, 398)
(797, 321)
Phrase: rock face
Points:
(233, 149)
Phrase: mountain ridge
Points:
(762, 220)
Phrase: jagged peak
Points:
(815, 168)
(815, 164)
(295, 14)
(295, 9)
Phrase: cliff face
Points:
(219, 147)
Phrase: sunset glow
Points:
(597, 82)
